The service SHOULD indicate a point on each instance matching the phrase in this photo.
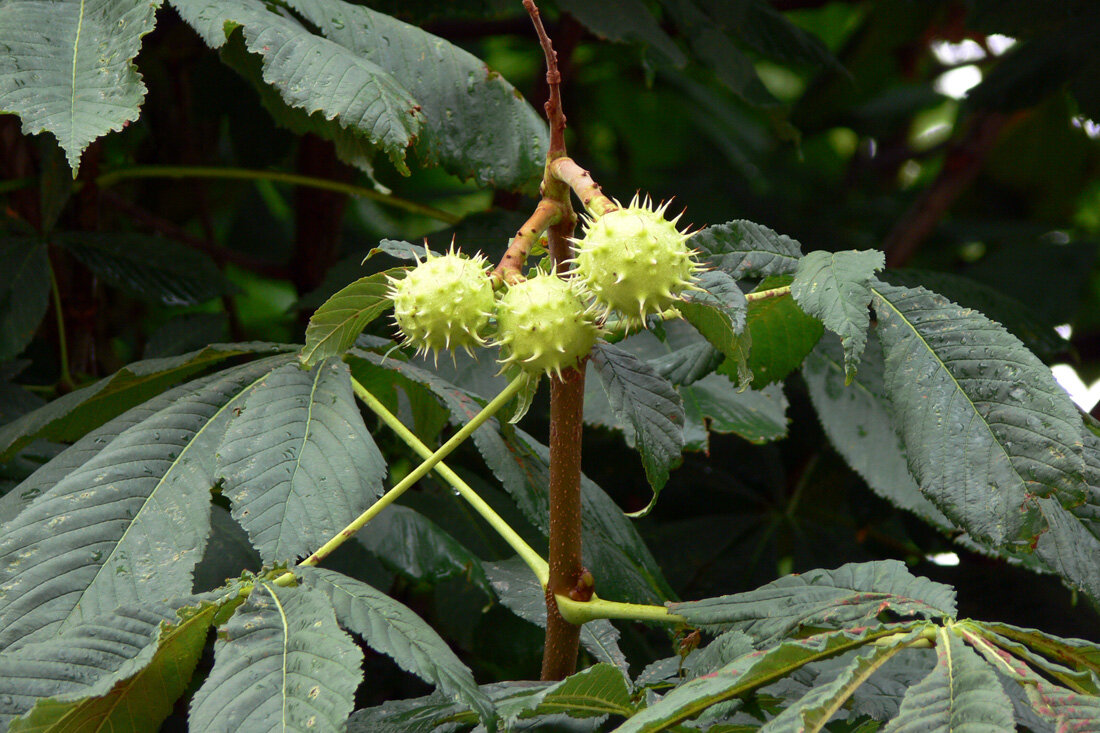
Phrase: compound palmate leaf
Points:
(986, 428)
(67, 66)
(128, 525)
(281, 663)
(297, 461)
(312, 73)
(123, 670)
(391, 628)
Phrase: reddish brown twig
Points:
(554, 114)
(580, 181)
(510, 269)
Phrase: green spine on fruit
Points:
(543, 326)
(634, 261)
(444, 302)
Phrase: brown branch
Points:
(580, 181)
(510, 269)
(554, 114)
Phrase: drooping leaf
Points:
(313, 73)
(123, 670)
(475, 124)
(68, 68)
(856, 418)
(835, 287)
(334, 326)
(519, 591)
(71, 416)
(391, 628)
(830, 598)
(1054, 654)
(625, 20)
(744, 249)
(281, 662)
(749, 672)
(152, 268)
(25, 288)
(126, 526)
(962, 692)
(1068, 547)
(985, 427)
(647, 405)
(297, 461)
(602, 689)
(718, 312)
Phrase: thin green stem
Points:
(765, 294)
(527, 554)
(294, 179)
(580, 612)
(66, 379)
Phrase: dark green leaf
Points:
(961, 693)
(647, 405)
(718, 312)
(475, 124)
(716, 405)
(297, 461)
(334, 327)
(1073, 662)
(25, 288)
(70, 71)
(744, 249)
(123, 670)
(228, 552)
(1069, 548)
(625, 20)
(688, 364)
(985, 427)
(602, 689)
(781, 335)
(856, 592)
(768, 31)
(424, 714)
(280, 663)
(186, 332)
(391, 628)
(127, 525)
(835, 287)
(151, 268)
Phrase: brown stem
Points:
(553, 80)
(510, 269)
(588, 191)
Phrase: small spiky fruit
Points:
(542, 325)
(634, 261)
(443, 303)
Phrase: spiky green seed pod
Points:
(542, 325)
(634, 261)
(443, 303)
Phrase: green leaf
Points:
(986, 428)
(133, 662)
(154, 269)
(835, 287)
(961, 693)
(1081, 668)
(312, 73)
(856, 592)
(391, 628)
(520, 592)
(297, 461)
(1069, 548)
(602, 689)
(718, 313)
(748, 672)
(334, 326)
(856, 417)
(768, 31)
(475, 124)
(744, 249)
(67, 68)
(424, 714)
(280, 663)
(127, 525)
(648, 406)
(715, 405)
(688, 364)
(24, 290)
(71, 416)
(624, 21)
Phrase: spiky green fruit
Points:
(443, 303)
(543, 326)
(634, 261)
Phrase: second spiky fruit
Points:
(542, 325)
(444, 302)
(634, 261)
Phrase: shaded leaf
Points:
(123, 670)
(758, 416)
(68, 69)
(152, 268)
(1068, 548)
(856, 592)
(718, 313)
(297, 461)
(835, 287)
(961, 692)
(986, 428)
(646, 404)
(625, 20)
(391, 628)
(280, 663)
(688, 364)
(186, 332)
(126, 526)
(25, 288)
(334, 326)
(744, 249)
(602, 689)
